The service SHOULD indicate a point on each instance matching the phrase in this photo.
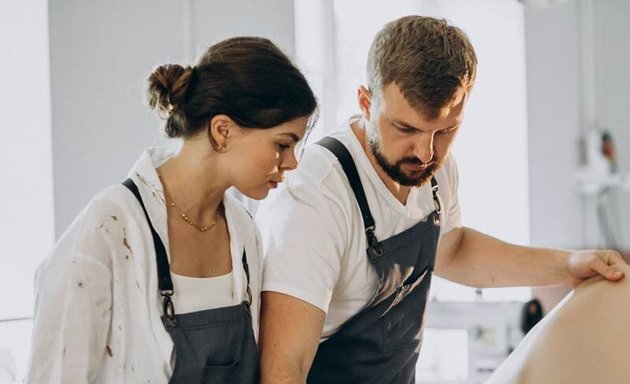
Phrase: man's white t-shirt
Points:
(314, 242)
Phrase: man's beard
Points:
(394, 171)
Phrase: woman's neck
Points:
(194, 181)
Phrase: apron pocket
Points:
(221, 374)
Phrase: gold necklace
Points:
(185, 217)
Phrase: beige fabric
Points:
(586, 339)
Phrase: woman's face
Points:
(259, 158)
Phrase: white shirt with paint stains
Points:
(97, 310)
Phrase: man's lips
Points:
(416, 167)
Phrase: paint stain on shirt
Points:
(104, 228)
(126, 244)
(109, 351)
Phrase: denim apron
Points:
(381, 343)
(211, 346)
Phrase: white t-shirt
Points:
(97, 311)
(190, 294)
(313, 234)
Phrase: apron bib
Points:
(215, 346)
(381, 343)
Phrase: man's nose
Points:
(423, 147)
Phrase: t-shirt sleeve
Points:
(452, 214)
(303, 239)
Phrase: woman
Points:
(158, 280)
(584, 340)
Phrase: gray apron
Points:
(212, 346)
(381, 343)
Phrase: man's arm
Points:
(475, 259)
(290, 331)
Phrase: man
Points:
(352, 239)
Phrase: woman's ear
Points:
(364, 98)
(219, 132)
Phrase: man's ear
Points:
(364, 98)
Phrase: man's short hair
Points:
(430, 60)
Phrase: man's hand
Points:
(583, 265)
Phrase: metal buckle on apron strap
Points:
(168, 309)
(436, 202)
(373, 242)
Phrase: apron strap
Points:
(347, 163)
(165, 284)
(246, 268)
(164, 275)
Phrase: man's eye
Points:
(447, 131)
(283, 146)
(406, 130)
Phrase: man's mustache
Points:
(415, 161)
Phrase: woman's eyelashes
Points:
(283, 146)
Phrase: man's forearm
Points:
(475, 259)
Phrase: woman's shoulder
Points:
(91, 232)
(112, 203)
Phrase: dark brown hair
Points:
(247, 78)
(427, 58)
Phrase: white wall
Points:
(553, 82)
(491, 149)
(101, 54)
(573, 51)
(612, 58)
(26, 199)
(26, 192)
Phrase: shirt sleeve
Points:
(303, 236)
(453, 217)
(73, 307)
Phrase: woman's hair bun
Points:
(167, 91)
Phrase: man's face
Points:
(408, 146)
